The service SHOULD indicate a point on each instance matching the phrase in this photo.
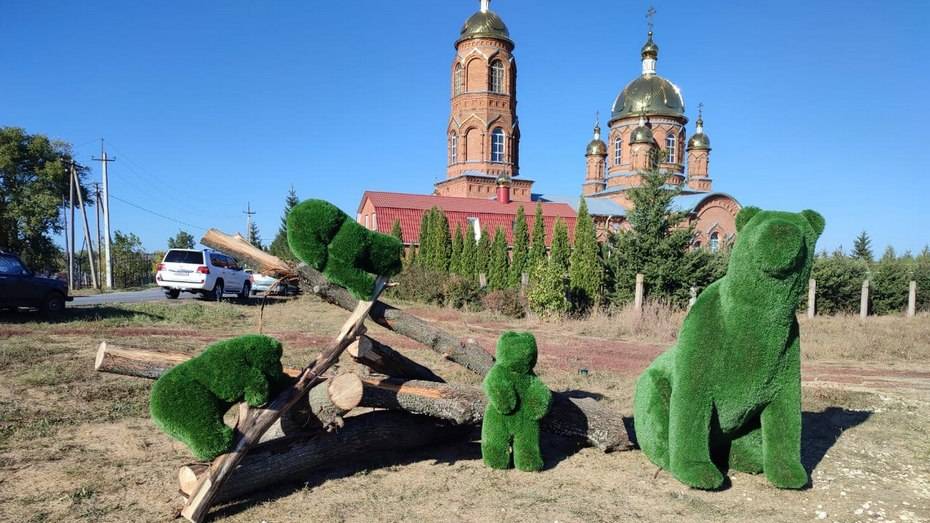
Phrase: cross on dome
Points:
(485, 6)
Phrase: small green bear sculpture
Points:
(517, 400)
(328, 240)
(729, 391)
(188, 401)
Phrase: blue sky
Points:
(208, 106)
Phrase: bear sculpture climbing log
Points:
(729, 391)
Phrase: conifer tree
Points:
(469, 255)
(561, 252)
(455, 263)
(396, 231)
(548, 289)
(442, 241)
(655, 246)
(521, 249)
(586, 274)
(538, 246)
(498, 267)
(862, 247)
(483, 256)
(279, 246)
(425, 252)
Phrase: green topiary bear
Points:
(188, 401)
(729, 391)
(325, 238)
(517, 400)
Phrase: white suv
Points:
(205, 272)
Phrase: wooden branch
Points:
(254, 426)
(467, 353)
(579, 418)
(364, 438)
(464, 352)
(385, 360)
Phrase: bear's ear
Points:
(745, 214)
(816, 220)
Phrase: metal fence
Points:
(132, 269)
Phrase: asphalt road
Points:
(146, 295)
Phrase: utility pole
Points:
(64, 213)
(97, 209)
(70, 225)
(106, 213)
(90, 244)
(249, 213)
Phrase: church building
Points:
(483, 187)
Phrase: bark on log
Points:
(385, 360)
(128, 361)
(464, 352)
(364, 437)
(579, 418)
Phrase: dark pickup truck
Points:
(20, 287)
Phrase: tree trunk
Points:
(363, 439)
(579, 418)
(464, 352)
(385, 360)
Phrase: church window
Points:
(453, 148)
(618, 151)
(497, 76)
(670, 148)
(497, 145)
(714, 242)
(459, 79)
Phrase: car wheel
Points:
(246, 291)
(172, 294)
(54, 304)
(218, 290)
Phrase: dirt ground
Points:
(76, 445)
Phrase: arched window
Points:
(714, 241)
(453, 148)
(459, 79)
(618, 151)
(497, 77)
(670, 148)
(497, 145)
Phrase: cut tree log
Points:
(330, 401)
(251, 429)
(467, 352)
(580, 418)
(385, 360)
(364, 438)
(128, 361)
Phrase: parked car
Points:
(20, 287)
(209, 273)
(263, 283)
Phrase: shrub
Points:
(889, 286)
(547, 295)
(839, 283)
(461, 292)
(507, 302)
(421, 284)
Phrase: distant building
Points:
(483, 182)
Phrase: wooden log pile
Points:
(327, 417)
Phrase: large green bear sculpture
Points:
(729, 391)
(517, 400)
(331, 242)
(188, 401)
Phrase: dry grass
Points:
(78, 446)
(877, 338)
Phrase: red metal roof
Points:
(491, 214)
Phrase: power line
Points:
(141, 208)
